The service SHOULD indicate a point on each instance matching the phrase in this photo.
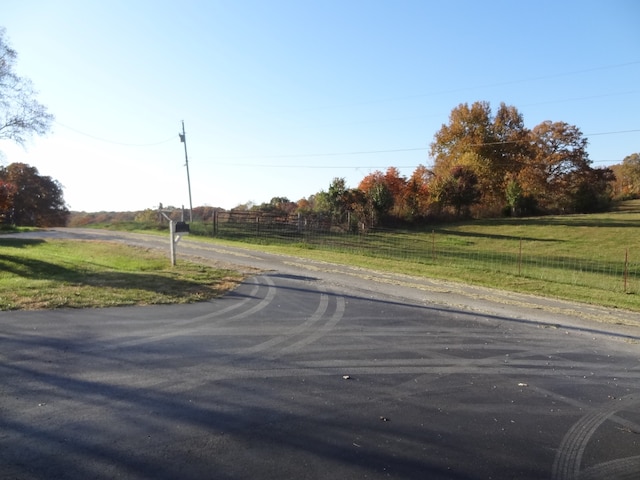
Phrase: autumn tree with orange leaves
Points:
(548, 167)
(630, 175)
(484, 164)
(416, 197)
(492, 146)
(384, 194)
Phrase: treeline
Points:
(148, 216)
(485, 164)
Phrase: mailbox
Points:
(182, 227)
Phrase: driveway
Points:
(314, 370)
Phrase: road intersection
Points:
(314, 370)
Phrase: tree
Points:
(7, 191)
(37, 200)
(459, 189)
(469, 130)
(594, 192)
(511, 148)
(320, 203)
(276, 206)
(21, 116)
(378, 198)
(514, 196)
(337, 199)
(304, 206)
(518, 202)
(416, 193)
(491, 146)
(631, 174)
(559, 164)
(384, 193)
(395, 183)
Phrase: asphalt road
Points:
(314, 370)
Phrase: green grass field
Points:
(37, 274)
(587, 258)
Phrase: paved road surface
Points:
(312, 370)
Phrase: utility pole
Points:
(183, 139)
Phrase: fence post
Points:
(172, 242)
(626, 268)
(520, 258)
(433, 245)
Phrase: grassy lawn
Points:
(588, 258)
(38, 274)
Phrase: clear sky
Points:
(281, 96)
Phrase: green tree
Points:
(594, 191)
(21, 116)
(513, 196)
(37, 200)
(320, 203)
(338, 199)
(459, 190)
(380, 199)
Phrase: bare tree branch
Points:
(21, 116)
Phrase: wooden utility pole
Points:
(183, 139)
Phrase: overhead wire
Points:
(491, 85)
(368, 152)
(172, 138)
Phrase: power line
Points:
(395, 150)
(475, 87)
(434, 115)
(352, 167)
(333, 167)
(329, 154)
(509, 82)
(172, 138)
(611, 133)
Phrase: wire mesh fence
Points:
(444, 248)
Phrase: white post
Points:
(172, 242)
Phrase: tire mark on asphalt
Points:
(233, 306)
(265, 302)
(315, 317)
(566, 465)
(198, 322)
(619, 469)
(321, 332)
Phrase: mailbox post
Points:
(174, 228)
(172, 242)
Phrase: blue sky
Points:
(281, 96)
